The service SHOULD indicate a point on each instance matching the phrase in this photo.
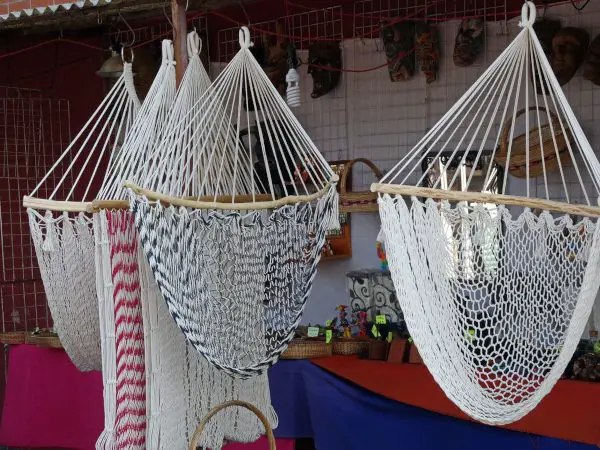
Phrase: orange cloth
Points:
(569, 412)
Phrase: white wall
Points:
(368, 116)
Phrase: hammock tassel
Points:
(50, 239)
(381, 236)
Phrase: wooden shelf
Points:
(335, 257)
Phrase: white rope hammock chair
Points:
(181, 386)
(118, 281)
(64, 243)
(235, 253)
(496, 294)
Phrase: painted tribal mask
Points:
(427, 50)
(399, 42)
(469, 42)
(591, 67)
(325, 64)
(568, 50)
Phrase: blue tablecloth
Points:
(339, 415)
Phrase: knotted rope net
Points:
(495, 289)
(63, 236)
(236, 250)
(181, 386)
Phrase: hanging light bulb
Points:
(112, 67)
(292, 79)
(293, 88)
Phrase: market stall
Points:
(320, 399)
(363, 221)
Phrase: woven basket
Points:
(537, 159)
(307, 349)
(351, 347)
(12, 338)
(44, 339)
(358, 201)
(216, 409)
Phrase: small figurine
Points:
(382, 255)
(328, 248)
(344, 324)
(362, 323)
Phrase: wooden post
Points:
(179, 36)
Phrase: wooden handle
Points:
(55, 205)
(481, 197)
(216, 409)
(241, 206)
(98, 205)
(348, 167)
(509, 121)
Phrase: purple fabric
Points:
(339, 415)
(48, 402)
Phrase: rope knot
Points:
(168, 55)
(528, 14)
(194, 44)
(245, 38)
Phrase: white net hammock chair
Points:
(62, 230)
(236, 250)
(162, 391)
(496, 291)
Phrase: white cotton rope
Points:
(64, 243)
(236, 282)
(119, 289)
(149, 127)
(183, 387)
(106, 308)
(495, 300)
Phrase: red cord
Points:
(314, 39)
(292, 37)
(371, 69)
(42, 44)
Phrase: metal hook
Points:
(241, 2)
(545, 3)
(166, 15)
(130, 29)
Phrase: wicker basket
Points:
(12, 338)
(351, 347)
(307, 349)
(216, 409)
(44, 339)
(537, 159)
(358, 201)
